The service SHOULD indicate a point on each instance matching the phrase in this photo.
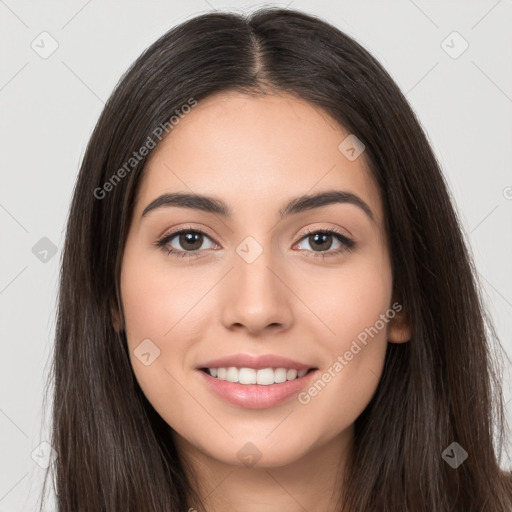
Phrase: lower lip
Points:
(255, 396)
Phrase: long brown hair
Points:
(115, 453)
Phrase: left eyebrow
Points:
(296, 205)
(303, 203)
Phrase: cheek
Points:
(156, 297)
(161, 304)
(363, 316)
(349, 300)
(354, 305)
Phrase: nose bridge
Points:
(256, 297)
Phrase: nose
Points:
(256, 296)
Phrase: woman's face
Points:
(261, 279)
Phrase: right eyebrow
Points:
(194, 201)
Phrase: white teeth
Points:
(232, 374)
(264, 376)
(291, 374)
(246, 376)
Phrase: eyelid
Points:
(164, 239)
(187, 227)
(325, 229)
(347, 243)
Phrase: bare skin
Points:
(256, 154)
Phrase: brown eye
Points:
(186, 242)
(190, 240)
(321, 241)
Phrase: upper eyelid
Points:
(172, 234)
(169, 236)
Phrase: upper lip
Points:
(256, 362)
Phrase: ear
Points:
(116, 317)
(399, 328)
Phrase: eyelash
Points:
(347, 243)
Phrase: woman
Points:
(266, 302)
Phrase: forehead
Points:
(255, 151)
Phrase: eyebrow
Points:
(296, 205)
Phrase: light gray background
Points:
(48, 108)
